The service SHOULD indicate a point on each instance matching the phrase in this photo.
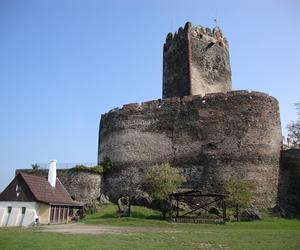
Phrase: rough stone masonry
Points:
(196, 62)
(202, 127)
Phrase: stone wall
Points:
(176, 67)
(289, 181)
(210, 64)
(82, 186)
(208, 138)
(195, 62)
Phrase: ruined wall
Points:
(208, 138)
(289, 181)
(196, 62)
(82, 186)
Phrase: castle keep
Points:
(195, 62)
(201, 126)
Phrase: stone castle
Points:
(200, 125)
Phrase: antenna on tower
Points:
(216, 10)
(216, 22)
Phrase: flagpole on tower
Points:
(216, 22)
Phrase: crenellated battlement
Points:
(199, 32)
(196, 61)
(248, 96)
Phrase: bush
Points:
(106, 164)
(160, 181)
(35, 166)
(240, 193)
(96, 169)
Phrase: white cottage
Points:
(31, 199)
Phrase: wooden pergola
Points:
(207, 200)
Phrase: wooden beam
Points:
(177, 207)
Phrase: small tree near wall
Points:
(240, 194)
(160, 181)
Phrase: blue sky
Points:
(64, 63)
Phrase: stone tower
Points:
(195, 62)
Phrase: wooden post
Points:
(177, 206)
(64, 211)
(59, 210)
(224, 210)
(68, 214)
(169, 207)
(237, 212)
(129, 207)
(55, 215)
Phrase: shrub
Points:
(96, 169)
(106, 164)
(160, 181)
(35, 166)
(240, 193)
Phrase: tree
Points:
(35, 166)
(294, 126)
(240, 193)
(130, 187)
(160, 181)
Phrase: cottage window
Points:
(23, 210)
(9, 209)
(18, 190)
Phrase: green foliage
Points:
(96, 169)
(239, 192)
(91, 207)
(294, 126)
(102, 168)
(35, 166)
(106, 164)
(160, 181)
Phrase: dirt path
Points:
(100, 229)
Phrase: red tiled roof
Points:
(44, 192)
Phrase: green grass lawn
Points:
(270, 233)
(141, 216)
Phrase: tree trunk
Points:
(237, 212)
(129, 207)
(163, 209)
